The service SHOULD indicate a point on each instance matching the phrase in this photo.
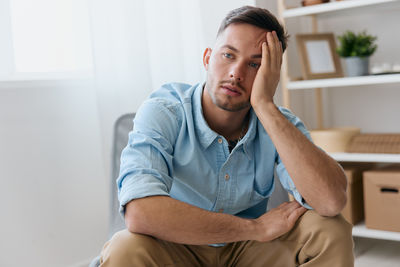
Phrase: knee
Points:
(124, 245)
(334, 230)
(323, 240)
(124, 240)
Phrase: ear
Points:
(206, 57)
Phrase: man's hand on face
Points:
(278, 221)
(268, 75)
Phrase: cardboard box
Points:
(382, 198)
(353, 212)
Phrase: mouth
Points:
(231, 90)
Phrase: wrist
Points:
(264, 105)
(256, 230)
(246, 229)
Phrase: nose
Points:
(237, 72)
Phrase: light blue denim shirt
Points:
(173, 152)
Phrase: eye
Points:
(227, 55)
(254, 65)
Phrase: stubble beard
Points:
(226, 104)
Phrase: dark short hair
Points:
(258, 17)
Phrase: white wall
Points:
(52, 184)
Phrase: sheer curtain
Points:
(139, 45)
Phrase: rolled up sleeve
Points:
(146, 161)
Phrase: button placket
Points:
(225, 187)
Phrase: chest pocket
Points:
(263, 186)
(253, 184)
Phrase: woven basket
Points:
(334, 139)
(375, 143)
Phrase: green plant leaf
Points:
(356, 45)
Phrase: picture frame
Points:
(318, 56)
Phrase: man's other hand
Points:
(278, 221)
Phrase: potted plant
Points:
(356, 50)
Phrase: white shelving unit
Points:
(359, 230)
(330, 7)
(366, 157)
(346, 81)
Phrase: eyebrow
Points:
(236, 50)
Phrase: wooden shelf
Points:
(361, 230)
(346, 81)
(366, 157)
(329, 7)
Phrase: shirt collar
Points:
(207, 136)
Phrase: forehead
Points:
(242, 36)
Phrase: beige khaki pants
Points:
(314, 241)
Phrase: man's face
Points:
(232, 66)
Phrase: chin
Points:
(233, 107)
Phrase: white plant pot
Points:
(357, 66)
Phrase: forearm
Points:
(176, 221)
(318, 178)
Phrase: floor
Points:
(379, 253)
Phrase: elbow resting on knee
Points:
(333, 206)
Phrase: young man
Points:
(198, 169)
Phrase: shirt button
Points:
(227, 177)
(220, 140)
(221, 210)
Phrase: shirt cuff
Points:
(295, 193)
(139, 186)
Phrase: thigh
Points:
(255, 254)
(129, 249)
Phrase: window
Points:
(44, 38)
